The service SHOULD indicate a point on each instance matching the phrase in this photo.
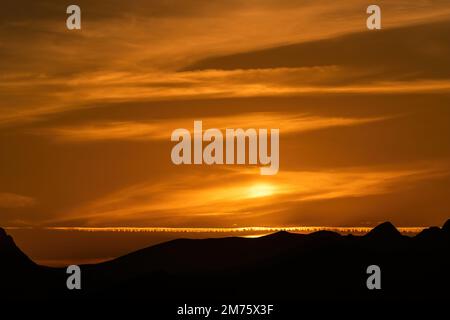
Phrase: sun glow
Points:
(261, 190)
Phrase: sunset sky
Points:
(86, 115)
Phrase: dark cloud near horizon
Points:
(405, 53)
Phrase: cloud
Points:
(368, 56)
(119, 79)
(36, 99)
(130, 51)
(12, 200)
(236, 193)
(162, 129)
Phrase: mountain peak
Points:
(10, 255)
(384, 230)
(5, 239)
(446, 226)
(279, 234)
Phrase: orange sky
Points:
(87, 115)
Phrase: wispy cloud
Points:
(44, 68)
(12, 200)
(32, 98)
(125, 58)
(162, 129)
(236, 193)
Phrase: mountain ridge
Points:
(325, 264)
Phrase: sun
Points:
(261, 190)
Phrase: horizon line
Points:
(218, 229)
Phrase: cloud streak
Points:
(44, 68)
(12, 200)
(162, 129)
(186, 200)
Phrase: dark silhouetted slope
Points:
(446, 226)
(386, 229)
(11, 257)
(278, 267)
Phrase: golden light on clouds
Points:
(261, 190)
(87, 116)
(92, 89)
(162, 129)
(191, 199)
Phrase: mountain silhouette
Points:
(282, 266)
(384, 231)
(446, 226)
(10, 255)
(386, 234)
